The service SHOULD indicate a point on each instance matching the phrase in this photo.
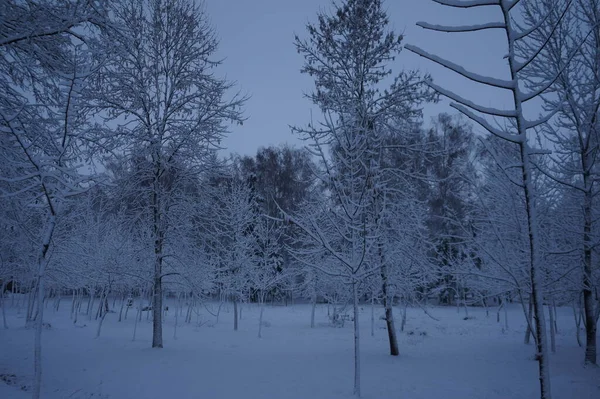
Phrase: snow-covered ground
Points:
(452, 358)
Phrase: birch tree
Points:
(571, 60)
(160, 89)
(516, 131)
(43, 124)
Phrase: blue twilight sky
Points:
(257, 44)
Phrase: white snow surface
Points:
(452, 358)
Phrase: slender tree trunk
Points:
(79, 300)
(37, 356)
(102, 318)
(235, 315)
(312, 311)
(127, 307)
(260, 319)
(403, 323)
(77, 306)
(552, 330)
(529, 331)
(356, 340)
(188, 316)
(91, 303)
(372, 316)
(487, 310)
(588, 299)
(177, 306)
(73, 301)
(30, 302)
(137, 317)
(143, 300)
(101, 303)
(389, 312)
(58, 298)
(555, 316)
(505, 314)
(3, 305)
(536, 280)
(124, 298)
(159, 234)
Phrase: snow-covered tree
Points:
(347, 53)
(571, 61)
(233, 245)
(45, 64)
(159, 87)
(515, 131)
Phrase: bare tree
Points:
(571, 60)
(516, 132)
(159, 88)
(43, 67)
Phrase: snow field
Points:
(452, 358)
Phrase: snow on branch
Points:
(485, 110)
(541, 121)
(485, 124)
(463, 28)
(486, 80)
(468, 4)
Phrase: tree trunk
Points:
(499, 309)
(588, 299)
(505, 314)
(13, 292)
(260, 320)
(3, 305)
(101, 319)
(137, 317)
(79, 301)
(77, 306)
(158, 230)
(487, 310)
(157, 340)
(356, 340)
(555, 316)
(235, 315)
(528, 331)
(188, 315)
(37, 356)
(552, 330)
(30, 302)
(312, 312)
(403, 323)
(577, 314)
(57, 303)
(389, 313)
(127, 307)
(372, 316)
(122, 306)
(536, 281)
(101, 304)
(73, 301)
(91, 303)
(177, 306)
